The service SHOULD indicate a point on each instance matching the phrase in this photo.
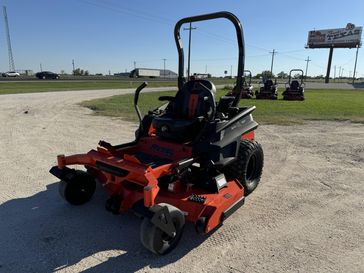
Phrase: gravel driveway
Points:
(306, 216)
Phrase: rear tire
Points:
(156, 240)
(79, 190)
(248, 167)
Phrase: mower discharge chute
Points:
(192, 160)
(294, 89)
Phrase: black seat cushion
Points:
(193, 104)
(295, 85)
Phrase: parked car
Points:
(10, 74)
(47, 75)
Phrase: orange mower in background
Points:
(192, 160)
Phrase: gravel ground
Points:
(306, 216)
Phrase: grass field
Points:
(48, 86)
(319, 105)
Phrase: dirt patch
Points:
(306, 215)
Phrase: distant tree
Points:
(282, 75)
(297, 76)
(265, 74)
(80, 72)
(77, 72)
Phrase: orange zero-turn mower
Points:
(192, 160)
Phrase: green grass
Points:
(67, 85)
(318, 105)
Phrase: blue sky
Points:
(103, 35)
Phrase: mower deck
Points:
(135, 176)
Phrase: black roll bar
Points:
(290, 75)
(204, 17)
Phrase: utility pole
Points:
(190, 28)
(40, 66)
(339, 72)
(164, 67)
(134, 64)
(73, 66)
(10, 51)
(271, 66)
(307, 61)
(356, 59)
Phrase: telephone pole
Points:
(339, 72)
(164, 67)
(271, 66)
(190, 28)
(307, 61)
(73, 67)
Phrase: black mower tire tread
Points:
(79, 190)
(239, 168)
(151, 236)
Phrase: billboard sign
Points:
(340, 37)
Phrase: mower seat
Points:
(193, 105)
(268, 85)
(295, 85)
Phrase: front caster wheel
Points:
(154, 238)
(79, 189)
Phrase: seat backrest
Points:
(195, 99)
(268, 84)
(295, 85)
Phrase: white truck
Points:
(144, 72)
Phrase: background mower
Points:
(268, 91)
(192, 160)
(294, 89)
(247, 92)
